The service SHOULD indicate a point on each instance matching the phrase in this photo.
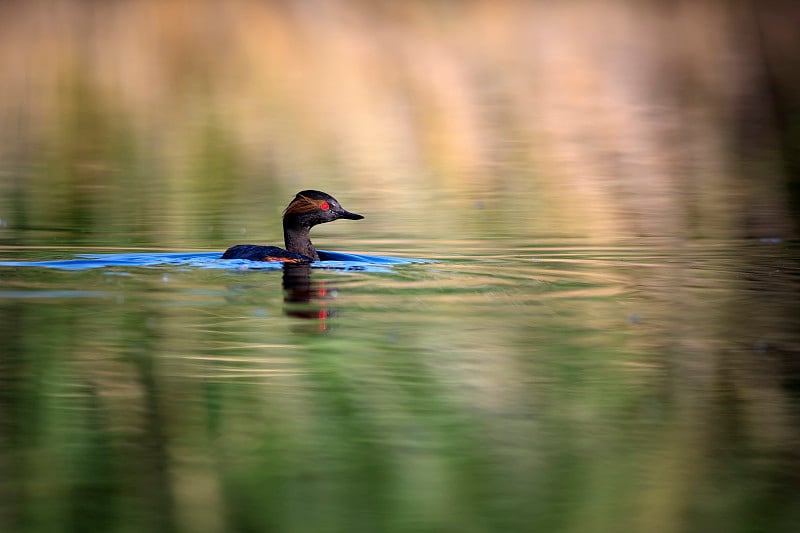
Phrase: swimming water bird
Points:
(306, 210)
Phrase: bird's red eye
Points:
(324, 206)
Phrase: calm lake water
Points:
(558, 385)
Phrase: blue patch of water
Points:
(330, 261)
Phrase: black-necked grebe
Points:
(308, 209)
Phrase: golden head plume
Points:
(303, 204)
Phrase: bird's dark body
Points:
(255, 252)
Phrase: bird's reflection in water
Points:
(305, 298)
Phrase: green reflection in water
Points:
(553, 388)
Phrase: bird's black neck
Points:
(298, 241)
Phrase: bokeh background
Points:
(605, 119)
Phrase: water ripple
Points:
(212, 260)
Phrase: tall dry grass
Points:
(608, 118)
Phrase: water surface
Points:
(556, 385)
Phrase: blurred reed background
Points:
(177, 121)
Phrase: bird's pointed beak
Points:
(349, 215)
